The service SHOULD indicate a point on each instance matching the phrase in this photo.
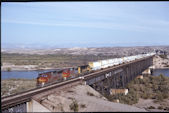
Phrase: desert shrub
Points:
(163, 56)
(165, 95)
(159, 97)
(70, 91)
(130, 98)
(151, 107)
(9, 69)
(160, 107)
(90, 94)
(155, 87)
(74, 106)
(145, 96)
(83, 106)
(166, 108)
(136, 81)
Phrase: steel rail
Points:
(13, 100)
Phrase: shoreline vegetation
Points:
(151, 88)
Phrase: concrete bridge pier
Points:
(34, 106)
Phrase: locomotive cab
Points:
(42, 79)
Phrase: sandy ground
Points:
(17, 67)
(160, 62)
(21, 67)
(88, 100)
(145, 103)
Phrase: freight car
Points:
(70, 73)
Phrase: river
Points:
(34, 74)
(157, 72)
(21, 74)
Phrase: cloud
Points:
(114, 16)
(95, 25)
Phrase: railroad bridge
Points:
(118, 76)
(102, 80)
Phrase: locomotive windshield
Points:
(42, 75)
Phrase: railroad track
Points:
(12, 100)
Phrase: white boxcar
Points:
(115, 61)
(104, 63)
(120, 60)
(111, 61)
(95, 65)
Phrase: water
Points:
(157, 72)
(34, 74)
(21, 74)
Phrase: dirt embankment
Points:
(82, 98)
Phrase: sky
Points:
(84, 24)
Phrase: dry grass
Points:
(153, 87)
(82, 105)
(49, 60)
(12, 86)
(74, 106)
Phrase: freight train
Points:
(69, 73)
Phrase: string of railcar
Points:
(69, 73)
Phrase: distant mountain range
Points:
(72, 45)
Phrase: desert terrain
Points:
(37, 59)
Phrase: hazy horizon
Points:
(34, 46)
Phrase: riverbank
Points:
(11, 67)
(161, 62)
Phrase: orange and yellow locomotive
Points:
(56, 76)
